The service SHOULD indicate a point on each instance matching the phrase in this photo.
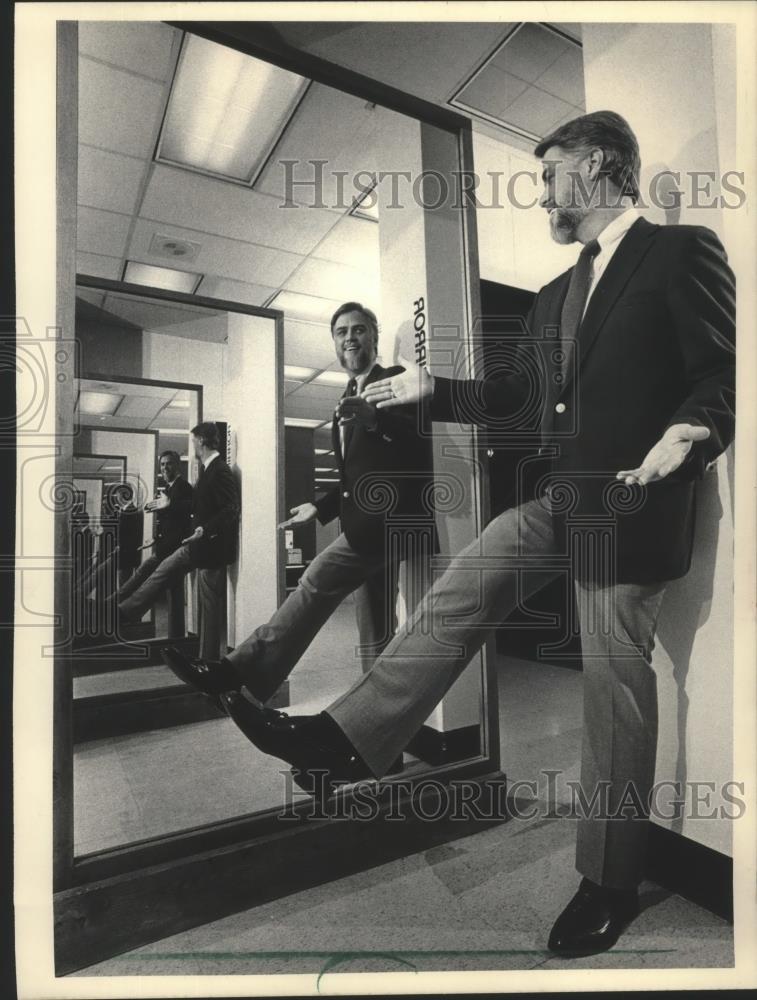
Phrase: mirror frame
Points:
(254, 857)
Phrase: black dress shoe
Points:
(593, 920)
(212, 677)
(320, 754)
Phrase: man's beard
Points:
(564, 223)
(356, 361)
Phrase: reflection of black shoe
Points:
(593, 920)
(212, 677)
(320, 754)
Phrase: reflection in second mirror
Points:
(152, 755)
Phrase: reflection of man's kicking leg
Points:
(266, 658)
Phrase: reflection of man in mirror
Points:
(383, 502)
(173, 522)
(647, 315)
(210, 548)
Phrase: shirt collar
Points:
(361, 379)
(617, 229)
(209, 459)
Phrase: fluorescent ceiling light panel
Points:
(307, 307)
(226, 111)
(297, 374)
(99, 403)
(179, 404)
(332, 378)
(323, 451)
(301, 422)
(161, 277)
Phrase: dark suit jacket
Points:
(385, 478)
(656, 347)
(216, 509)
(174, 522)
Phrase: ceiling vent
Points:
(172, 248)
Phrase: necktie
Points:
(351, 390)
(575, 301)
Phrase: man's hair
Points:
(609, 132)
(173, 454)
(349, 307)
(207, 432)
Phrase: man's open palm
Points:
(666, 456)
(410, 386)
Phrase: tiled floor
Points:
(485, 901)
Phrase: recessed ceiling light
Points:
(301, 422)
(99, 403)
(298, 374)
(226, 111)
(161, 277)
(332, 378)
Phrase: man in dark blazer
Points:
(173, 522)
(625, 379)
(384, 503)
(210, 548)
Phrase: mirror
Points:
(209, 302)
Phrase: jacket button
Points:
(560, 408)
(346, 494)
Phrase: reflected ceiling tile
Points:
(99, 266)
(108, 180)
(183, 198)
(100, 232)
(235, 291)
(220, 257)
(351, 242)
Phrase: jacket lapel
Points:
(627, 257)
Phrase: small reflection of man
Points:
(173, 523)
(210, 548)
(387, 450)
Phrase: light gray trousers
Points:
(481, 587)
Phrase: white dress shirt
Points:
(609, 241)
(206, 462)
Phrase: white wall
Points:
(250, 406)
(678, 96)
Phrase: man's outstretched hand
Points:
(666, 456)
(410, 386)
(301, 514)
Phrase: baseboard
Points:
(435, 747)
(698, 873)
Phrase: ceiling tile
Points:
(307, 344)
(143, 47)
(235, 291)
(189, 199)
(339, 282)
(100, 232)
(529, 52)
(99, 266)
(108, 180)
(117, 110)
(565, 77)
(332, 127)
(220, 257)
(536, 111)
(492, 91)
(352, 241)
